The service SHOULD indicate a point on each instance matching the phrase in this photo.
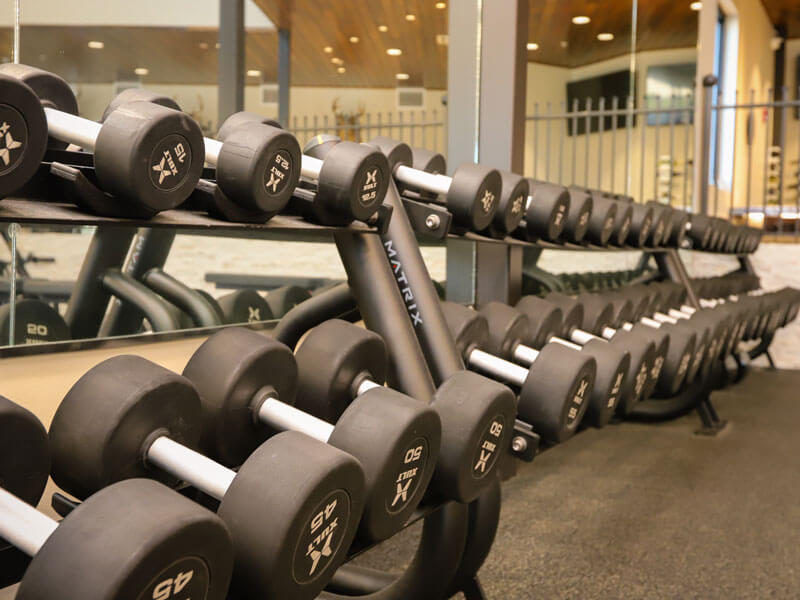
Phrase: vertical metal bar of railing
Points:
(574, 138)
(717, 149)
(766, 150)
(587, 134)
(561, 134)
(548, 118)
(782, 146)
(316, 125)
(701, 168)
(401, 126)
(425, 129)
(687, 116)
(614, 109)
(797, 174)
(601, 109)
(380, 124)
(750, 139)
(411, 121)
(732, 202)
(673, 112)
(629, 104)
(643, 153)
(535, 152)
(657, 147)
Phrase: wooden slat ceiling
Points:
(785, 13)
(661, 24)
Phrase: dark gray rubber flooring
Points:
(654, 511)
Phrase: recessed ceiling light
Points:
(581, 20)
(696, 5)
(402, 76)
(216, 45)
(442, 39)
(327, 49)
(564, 43)
(353, 39)
(394, 52)
(96, 45)
(254, 73)
(141, 71)
(532, 46)
(203, 45)
(605, 37)
(337, 61)
(441, 5)
(410, 17)
(383, 28)
(340, 70)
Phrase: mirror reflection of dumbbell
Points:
(247, 384)
(337, 358)
(472, 194)
(35, 322)
(292, 507)
(144, 154)
(257, 163)
(349, 184)
(511, 337)
(553, 392)
(133, 539)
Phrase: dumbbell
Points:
(23, 129)
(642, 221)
(245, 306)
(674, 222)
(147, 154)
(472, 194)
(35, 322)
(546, 212)
(283, 299)
(257, 164)
(292, 507)
(337, 359)
(553, 392)
(247, 385)
(510, 337)
(623, 217)
(134, 539)
(602, 218)
(350, 182)
(674, 344)
(580, 213)
(547, 323)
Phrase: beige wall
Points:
(548, 84)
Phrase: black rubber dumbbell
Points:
(134, 539)
(247, 383)
(553, 392)
(144, 153)
(602, 219)
(350, 183)
(547, 321)
(257, 164)
(546, 212)
(337, 358)
(510, 337)
(641, 223)
(23, 127)
(472, 194)
(283, 299)
(292, 507)
(623, 217)
(576, 225)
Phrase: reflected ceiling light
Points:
(141, 71)
(581, 20)
(203, 45)
(337, 61)
(441, 5)
(532, 46)
(216, 45)
(96, 45)
(605, 37)
(442, 39)
(327, 49)
(353, 39)
(402, 76)
(254, 73)
(341, 70)
(394, 52)
(564, 43)
(383, 28)
(696, 5)
(410, 17)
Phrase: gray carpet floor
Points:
(655, 511)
